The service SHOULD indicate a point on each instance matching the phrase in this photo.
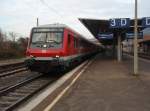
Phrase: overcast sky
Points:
(20, 15)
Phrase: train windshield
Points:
(47, 39)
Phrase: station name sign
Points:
(130, 35)
(105, 36)
(125, 22)
(119, 23)
(146, 22)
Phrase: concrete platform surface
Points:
(107, 86)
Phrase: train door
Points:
(70, 44)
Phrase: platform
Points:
(108, 86)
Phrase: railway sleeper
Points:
(14, 94)
(30, 88)
(9, 98)
(23, 90)
(5, 104)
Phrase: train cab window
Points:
(54, 37)
(50, 39)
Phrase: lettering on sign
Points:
(105, 36)
(123, 22)
(146, 22)
(112, 22)
(130, 35)
(119, 23)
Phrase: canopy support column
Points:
(119, 55)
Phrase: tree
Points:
(1, 39)
(23, 42)
(10, 47)
(13, 36)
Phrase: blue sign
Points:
(131, 35)
(146, 22)
(119, 23)
(105, 36)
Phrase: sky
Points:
(20, 15)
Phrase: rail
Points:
(9, 69)
(12, 96)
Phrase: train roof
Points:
(58, 25)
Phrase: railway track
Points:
(9, 69)
(14, 95)
(8, 81)
(21, 85)
(142, 55)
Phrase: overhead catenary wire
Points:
(51, 8)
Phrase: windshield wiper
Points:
(53, 41)
(38, 42)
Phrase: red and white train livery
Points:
(56, 45)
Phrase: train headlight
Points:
(31, 56)
(44, 45)
(57, 56)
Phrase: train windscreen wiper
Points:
(53, 41)
(37, 42)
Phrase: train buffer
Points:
(105, 85)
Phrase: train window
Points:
(38, 37)
(75, 43)
(69, 40)
(51, 39)
(79, 43)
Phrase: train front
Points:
(45, 48)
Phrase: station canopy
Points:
(96, 26)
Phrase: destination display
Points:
(47, 29)
(104, 36)
(119, 23)
(131, 35)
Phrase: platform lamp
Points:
(135, 39)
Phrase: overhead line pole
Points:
(119, 47)
(135, 40)
(37, 22)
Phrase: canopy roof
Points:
(96, 26)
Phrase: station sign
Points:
(105, 36)
(146, 22)
(130, 35)
(119, 23)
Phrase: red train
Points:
(57, 45)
